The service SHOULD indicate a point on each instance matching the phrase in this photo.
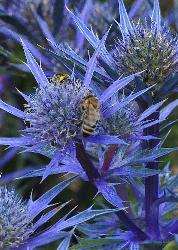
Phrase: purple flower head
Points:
(141, 48)
(22, 229)
(15, 219)
(123, 122)
(54, 118)
(55, 113)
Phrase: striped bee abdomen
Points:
(91, 115)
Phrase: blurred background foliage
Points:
(79, 193)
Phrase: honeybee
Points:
(60, 79)
(91, 115)
(64, 80)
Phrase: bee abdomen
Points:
(88, 129)
(89, 125)
(91, 115)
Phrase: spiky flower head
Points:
(146, 46)
(55, 112)
(15, 221)
(123, 122)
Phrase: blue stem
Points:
(93, 174)
(152, 185)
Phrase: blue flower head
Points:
(15, 219)
(55, 113)
(21, 228)
(54, 118)
(146, 46)
(123, 122)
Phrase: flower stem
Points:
(109, 156)
(93, 174)
(152, 184)
(140, 235)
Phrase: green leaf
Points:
(171, 246)
(94, 243)
(9, 55)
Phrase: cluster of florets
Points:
(56, 113)
(122, 123)
(15, 221)
(154, 52)
(24, 10)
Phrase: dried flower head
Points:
(15, 221)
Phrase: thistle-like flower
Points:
(147, 46)
(15, 219)
(55, 113)
(124, 122)
(19, 222)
